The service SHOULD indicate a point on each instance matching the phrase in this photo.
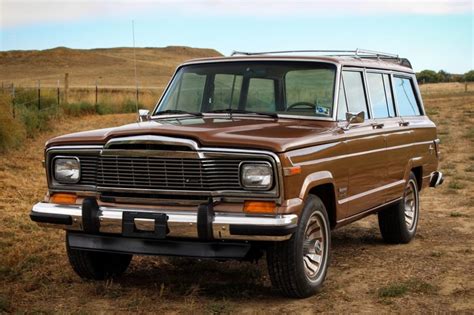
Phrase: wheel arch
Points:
(322, 184)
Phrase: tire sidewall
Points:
(312, 205)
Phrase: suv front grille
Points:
(168, 174)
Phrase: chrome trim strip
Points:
(182, 224)
(151, 139)
(372, 191)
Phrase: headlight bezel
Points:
(65, 181)
(266, 164)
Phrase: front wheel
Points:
(97, 265)
(298, 266)
(399, 221)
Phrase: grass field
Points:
(434, 273)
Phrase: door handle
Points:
(377, 125)
(404, 123)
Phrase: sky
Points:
(433, 34)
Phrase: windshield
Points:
(289, 88)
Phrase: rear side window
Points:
(405, 96)
(380, 95)
(354, 89)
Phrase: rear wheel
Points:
(399, 221)
(97, 265)
(298, 266)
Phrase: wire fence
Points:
(43, 97)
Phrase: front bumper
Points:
(180, 224)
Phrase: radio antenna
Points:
(135, 67)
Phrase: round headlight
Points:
(67, 170)
(257, 176)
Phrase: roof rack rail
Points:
(361, 53)
(357, 53)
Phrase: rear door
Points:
(366, 156)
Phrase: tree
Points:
(469, 76)
(427, 76)
(444, 76)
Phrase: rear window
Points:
(405, 97)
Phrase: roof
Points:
(391, 63)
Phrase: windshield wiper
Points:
(242, 111)
(176, 111)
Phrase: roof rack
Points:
(357, 53)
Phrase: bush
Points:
(78, 109)
(129, 106)
(30, 120)
(12, 132)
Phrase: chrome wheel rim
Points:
(314, 246)
(411, 205)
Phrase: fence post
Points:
(66, 87)
(13, 100)
(58, 95)
(96, 91)
(39, 94)
(137, 96)
(465, 86)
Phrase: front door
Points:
(366, 155)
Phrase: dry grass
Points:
(433, 273)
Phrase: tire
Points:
(399, 221)
(288, 261)
(97, 265)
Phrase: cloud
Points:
(30, 12)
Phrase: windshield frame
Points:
(337, 68)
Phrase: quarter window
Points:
(380, 95)
(405, 96)
(354, 89)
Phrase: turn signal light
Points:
(259, 207)
(64, 199)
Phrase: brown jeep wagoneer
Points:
(244, 155)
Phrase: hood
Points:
(237, 132)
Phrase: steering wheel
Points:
(306, 104)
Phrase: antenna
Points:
(135, 68)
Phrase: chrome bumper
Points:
(182, 224)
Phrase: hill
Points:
(111, 66)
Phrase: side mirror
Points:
(354, 118)
(143, 115)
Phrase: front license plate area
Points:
(129, 228)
